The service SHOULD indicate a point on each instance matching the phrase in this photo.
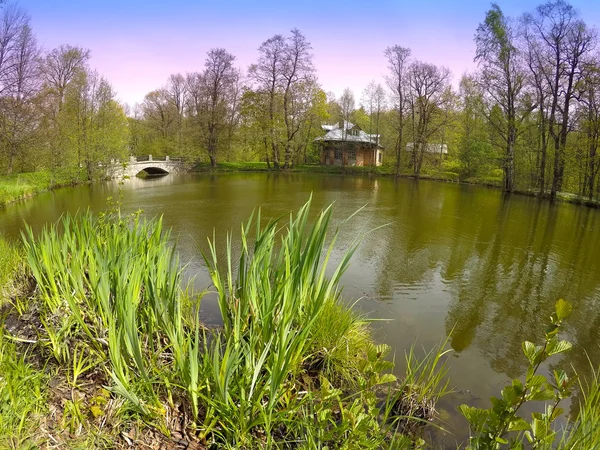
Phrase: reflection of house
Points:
(430, 148)
(349, 146)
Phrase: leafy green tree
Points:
(95, 124)
(502, 78)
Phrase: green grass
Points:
(584, 431)
(11, 271)
(232, 167)
(24, 185)
(23, 398)
(21, 186)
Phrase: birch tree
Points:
(374, 102)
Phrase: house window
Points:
(337, 154)
(379, 155)
(352, 154)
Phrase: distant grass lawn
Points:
(232, 167)
(386, 170)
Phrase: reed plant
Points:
(269, 313)
(114, 284)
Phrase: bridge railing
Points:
(148, 158)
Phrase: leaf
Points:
(518, 424)
(563, 309)
(536, 380)
(542, 394)
(475, 416)
(96, 411)
(559, 347)
(387, 378)
(529, 351)
(510, 395)
(556, 412)
(539, 428)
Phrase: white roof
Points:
(335, 133)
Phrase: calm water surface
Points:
(452, 257)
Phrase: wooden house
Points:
(348, 145)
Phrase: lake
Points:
(466, 260)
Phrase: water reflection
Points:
(468, 259)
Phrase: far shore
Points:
(25, 186)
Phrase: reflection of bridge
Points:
(148, 164)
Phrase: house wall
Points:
(364, 157)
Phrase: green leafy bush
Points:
(501, 426)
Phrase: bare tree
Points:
(13, 21)
(19, 72)
(397, 80)
(590, 125)
(532, 52)
(233, 117)
(564, 41)
(429, 96)
(175, 94)
(374, 101)
(219, 79)
(267, 74)
(297, 70)
(347, 106)
(61, 65)
(158, 114)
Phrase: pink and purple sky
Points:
(137, 44)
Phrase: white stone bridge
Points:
(150, 165)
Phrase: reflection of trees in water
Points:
(535, 257)
(504, 259)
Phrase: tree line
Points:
(528, 118)
(56, 113)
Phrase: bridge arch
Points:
(152, 170)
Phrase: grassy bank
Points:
(104, 348)
(25, 185)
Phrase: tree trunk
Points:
(398, 149)
(543, 150)
(508, 185)
(556, 175)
